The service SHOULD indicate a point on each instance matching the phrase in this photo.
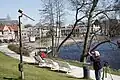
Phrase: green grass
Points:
(9, 71)
(114, 71)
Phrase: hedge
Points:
(15, 48)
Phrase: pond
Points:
(109, 52)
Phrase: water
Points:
(109, 52)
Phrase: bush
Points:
(15, 48)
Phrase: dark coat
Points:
(96, 62)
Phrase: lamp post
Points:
(20, 65)
(20, 51)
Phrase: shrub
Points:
(15, 48)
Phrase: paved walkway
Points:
(10, 53)
(76, 72)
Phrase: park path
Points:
(6, 51)
(76, 71)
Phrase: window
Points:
(24, 33)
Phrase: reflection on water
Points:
(109, 52)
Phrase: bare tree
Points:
(86, 8)
(87, 11)
(52, 13)
(48, 14)
(117, 6)
(59, 20)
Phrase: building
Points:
(25, 35)
(8, 29)
(111, 27)
(31, 31)
(77, 32)
(96, 27)
(8, 32)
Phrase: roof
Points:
(14, 27)
(1, 27)
(10, 27)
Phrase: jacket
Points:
(96, 62)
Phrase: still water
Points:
(109, 52)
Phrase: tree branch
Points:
(70, 33)
(94, 34)
(98, 45)
(77, 10)
(103, 12)
(85, 47)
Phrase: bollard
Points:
(86, 72)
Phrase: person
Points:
(97, 66)
(118, 43)
(43, 55)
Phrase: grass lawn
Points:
(9, 71)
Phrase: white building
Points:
(96, 27)
(78, 31)
(8, 32)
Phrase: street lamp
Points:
(20, 65)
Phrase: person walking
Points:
(97, 66)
